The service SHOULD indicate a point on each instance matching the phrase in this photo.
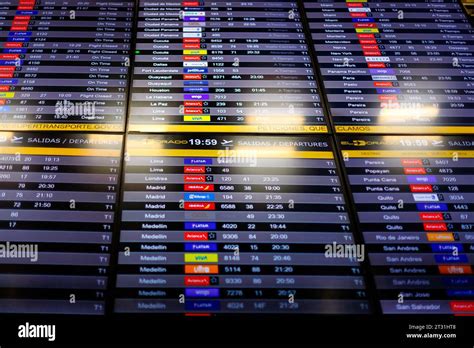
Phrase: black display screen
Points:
(395, 67)
(235, 224)
(58, 196)
(239, 171)
(205, 66)
(414, 202)
(64, 65)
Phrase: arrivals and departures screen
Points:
(235, 224)
(395, 67)
(414, 201)
(58, 195)
(64, 64)
(205, 66)
(232, 200)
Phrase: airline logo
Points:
(377, 59)
(198, 161)
(198, 257)
(419, 197)
(424, 179)
(199, 206)
(201, 197)
(202, 226)
(190, 236)
(462, 306)
(200, 247)
(196, 64)
(195, 178)
(447, 248)
(197, 281)
(440, 237)
(204, 293)
(435, 207)
(201, 269)
(431, 216)
(412, 171)
(384, 78)
(451, 259)
(435, 227)
(359, 9)
(195, 170)
(455, 269)
(198, 187)
(190, 118)
(421, 188)
(202, 305)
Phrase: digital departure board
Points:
(395, 67)
(197, 163)
(414, 200)
(235, 224)
(229, 66)
(57, 199)
(64, 64)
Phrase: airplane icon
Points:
(16, 140)
(227, 142)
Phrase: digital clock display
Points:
(205, 142)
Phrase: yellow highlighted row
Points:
(269, 128)
(62, 127)
(405, 129)
(262, 128)
(242, 152)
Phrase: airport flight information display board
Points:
(414, 200)
(395, 67)
(235, 224)
(64, 64)
(58, 195)
(205, 66)
(198, 158)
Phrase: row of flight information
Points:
(176, 157)
(237, 67)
